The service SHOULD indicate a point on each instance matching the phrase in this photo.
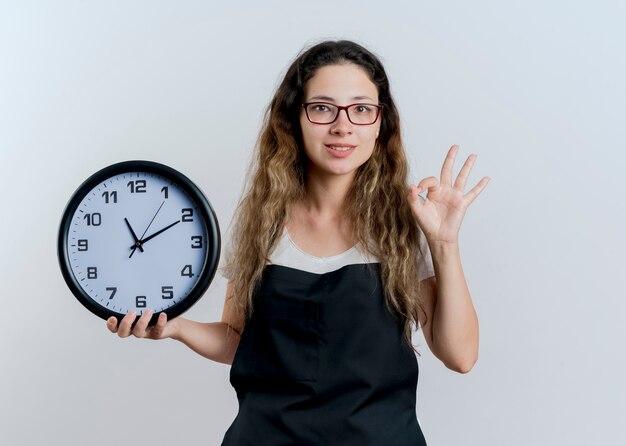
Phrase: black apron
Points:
(322, 361)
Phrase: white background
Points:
(535, 88)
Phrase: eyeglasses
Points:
(326, 113)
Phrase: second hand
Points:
(144, 232)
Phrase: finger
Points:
(414, 194)
(427, 183)
(472, 194)
(156, 332)
(139, 330)
(461, 179)
(112, 324)
(448, 163)
(123, 330)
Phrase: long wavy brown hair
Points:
(376, 204)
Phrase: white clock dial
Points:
(122, 274)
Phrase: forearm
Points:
(455, 324)
(214, 340)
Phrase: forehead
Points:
(341, 83)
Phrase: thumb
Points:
(158, 330)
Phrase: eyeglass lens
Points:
(357, 113)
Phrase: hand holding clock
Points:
(129, 325)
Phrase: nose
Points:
(342, 125)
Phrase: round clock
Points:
(135, 236)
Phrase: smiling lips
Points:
(339, 150)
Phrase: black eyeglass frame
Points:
(379, 107)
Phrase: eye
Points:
(320, 108)
(362, 108)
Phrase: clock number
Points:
(165, 191)
(110, 196)
(83, 245)
(92, 272)
(167, 292)
(186, 271)
(187, 215)
(113, 290)
(140, 301)
(137, 186)
(94, 219)
(197, 241)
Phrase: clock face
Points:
(138, 236)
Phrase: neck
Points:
(325, 194)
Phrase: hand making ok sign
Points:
(441, 214)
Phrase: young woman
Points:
(334, 260)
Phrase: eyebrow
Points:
(328, 98)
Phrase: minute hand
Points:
(158, 232)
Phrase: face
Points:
(341, 147)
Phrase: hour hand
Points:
(137, 241)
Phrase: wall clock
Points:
(138, 235)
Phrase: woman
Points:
(333, 260)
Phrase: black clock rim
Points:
(212, 255)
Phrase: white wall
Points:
(535, 88)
